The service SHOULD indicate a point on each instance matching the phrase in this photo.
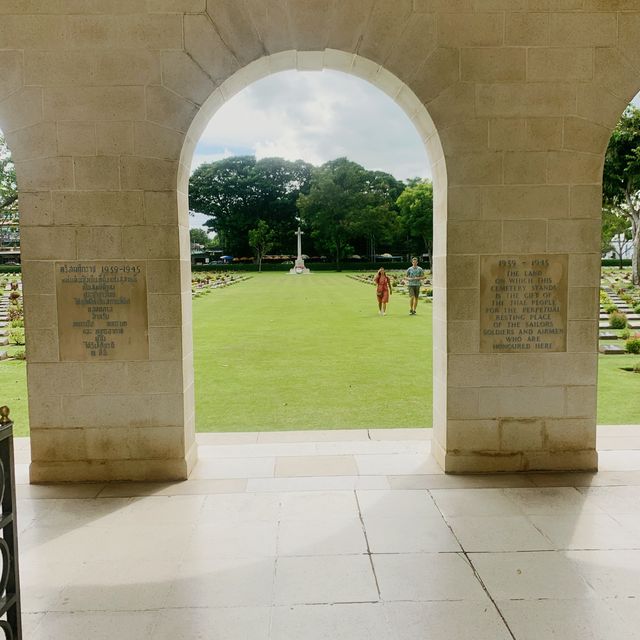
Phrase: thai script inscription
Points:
(102, 310)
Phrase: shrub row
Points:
(313, 266)
(613, 262)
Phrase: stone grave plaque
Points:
(523, 303)
(102, 310)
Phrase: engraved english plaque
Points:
(102, 310)
(523, 303)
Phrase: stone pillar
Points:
(524, 145)
(96, 142)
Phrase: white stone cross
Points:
(299, 233)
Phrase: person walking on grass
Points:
(415, 275)
(383, 290)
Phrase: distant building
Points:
(621, 248)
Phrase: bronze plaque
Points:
(102, 310)
(523, 303)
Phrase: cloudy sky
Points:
(315, 116)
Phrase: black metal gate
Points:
(10, 621)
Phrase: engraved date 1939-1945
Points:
(120, 268)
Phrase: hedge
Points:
(614, 262)
(312, 266)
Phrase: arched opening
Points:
(401, 94)
(619, 310)
(12, 334)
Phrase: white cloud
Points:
(201, 158)
(316, 117)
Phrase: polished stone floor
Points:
(343, 535)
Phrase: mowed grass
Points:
(618, 390)
(310, 352)
(13, 393)
(283, 352)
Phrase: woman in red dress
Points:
(383, 290)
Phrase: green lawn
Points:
(618, 390)
(310, 352)
(13, 393)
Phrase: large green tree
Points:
(375, 220)
(237, 192)
(199, 236)
(621, 181)
(261, 240)
(346, 203)
(616, 232)
(9, 220)
(416, 215)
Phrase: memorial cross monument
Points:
(299, 267)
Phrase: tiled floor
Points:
(340, 536)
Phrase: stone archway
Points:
(98, 103)
(377, 75)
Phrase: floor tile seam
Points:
(274, 576)
(278, 519)
(72, 612)
(333, 554)
(350, 554)
(539, 530)
(556, 549)
(321, 477)
(368, 546)
(555, 599)
(373, 447)
(252, 490)
(475, 571)
(327, 603)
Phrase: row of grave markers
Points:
(633, 322)
(4, 322)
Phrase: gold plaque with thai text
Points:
(523, 303)
(102, 310)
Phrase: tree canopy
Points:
(255, 206)
(621, 180)
(199, 236)
(261, 240)
(237, 192)
(416, 215)
(346, 204)
(8, 195)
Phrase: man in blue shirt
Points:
(415, 275)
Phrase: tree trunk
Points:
(634, 214)
(635, 255)
(9, 201)
(428, 251)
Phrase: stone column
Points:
(96, 139)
